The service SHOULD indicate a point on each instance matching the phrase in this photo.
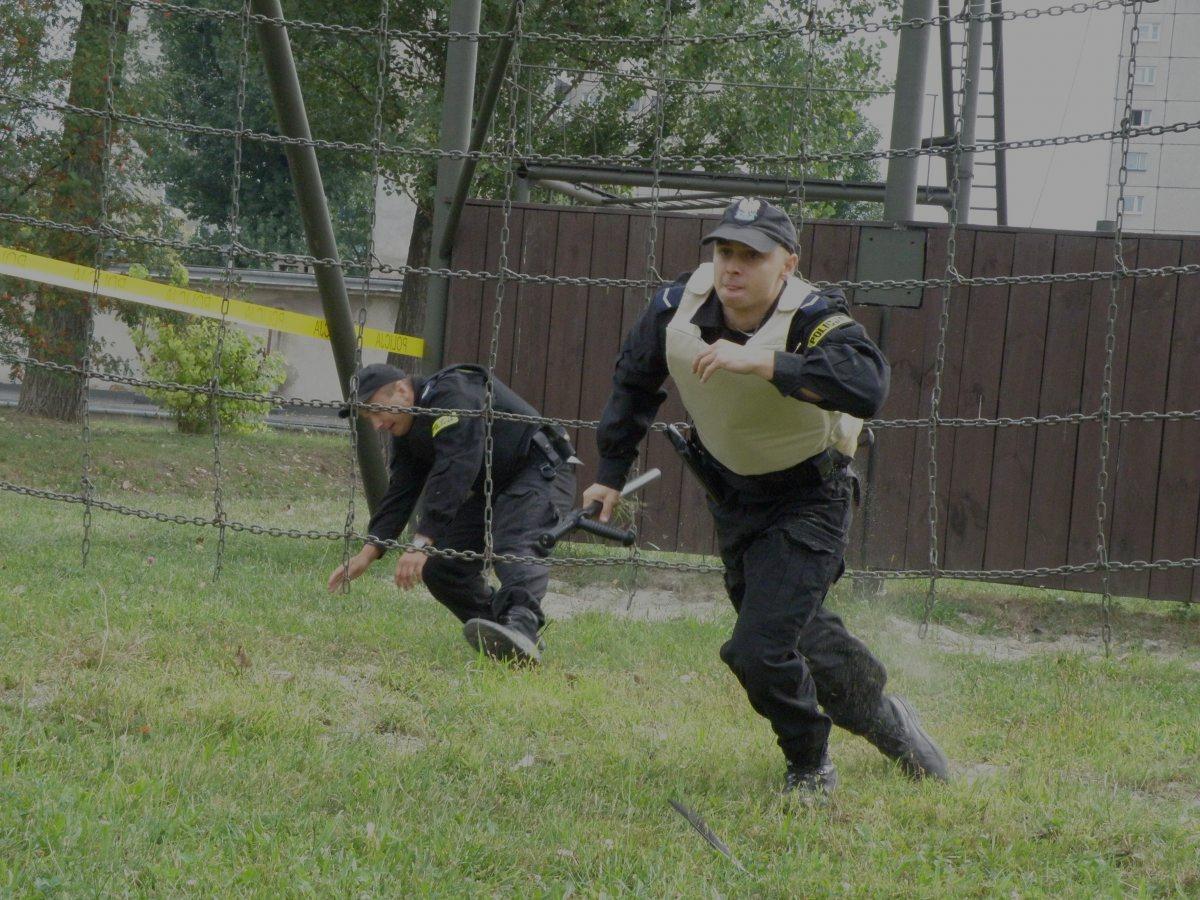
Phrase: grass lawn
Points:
(165, 733)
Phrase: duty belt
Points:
(814, 471)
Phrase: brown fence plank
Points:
(491, 288)
(978, 396)
(680, 243)
(682, 252)
(531, 316)
(1178, 508)
(917, 548)
(1135, 475)
(830, 259)
(634, 303)
(604, 308)
(466, 294)
(1081, 545)
(902, 339)
(1020, 379)
(568, 317)
(1052, 480)
(869, 317)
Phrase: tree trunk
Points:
(410, 316)
(61, 320)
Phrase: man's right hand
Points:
(606, 496)
(358, 564)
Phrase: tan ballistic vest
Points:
(743, 420)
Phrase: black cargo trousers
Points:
(522, 510)
(801, 669)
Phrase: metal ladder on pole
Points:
(989, 196)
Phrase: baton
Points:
(584, 520)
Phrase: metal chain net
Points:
(512, 158)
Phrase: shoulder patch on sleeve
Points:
(668, 297)
(825, 326)
(441, 423)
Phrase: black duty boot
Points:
(903, 739)
(514, 637)
(811, 782)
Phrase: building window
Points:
(1139, 117)
(1137, 161)
(1144, 75)
(1150, 32)
(1134, 204)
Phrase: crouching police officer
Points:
(776, 378)
(440, 459)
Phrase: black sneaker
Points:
(811, 782)
(919, 757)
(514, 637)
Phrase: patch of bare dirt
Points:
(648, 604)
(34, 696)
(1019, 646)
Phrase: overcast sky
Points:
(1060, 73)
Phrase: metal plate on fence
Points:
(890, 254)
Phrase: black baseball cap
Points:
(756, 223)
(370, 379)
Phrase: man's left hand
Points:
(734, 358)
(409, 569)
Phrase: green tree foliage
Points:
(183, 353)
(561, 108)
(595, 95)
(67, 168)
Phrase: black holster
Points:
(698, 463)
(554, 445)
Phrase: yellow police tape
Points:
(45, 270)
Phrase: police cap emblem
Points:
(747, 209)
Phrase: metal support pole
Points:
(900, 196)
(998, 111)
(970, 104)
(570, 190)
(946, 43)
(318, 228)
(521, 190)
(458, 97)
(733, 184)
(483, 121)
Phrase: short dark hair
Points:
(368, 380)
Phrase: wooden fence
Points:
(1012, 497)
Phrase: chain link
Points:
(1051, 278)
(282, 402)
(86, 485)
(1110, 343)
(228, 279)
(381, 70)
(489, 398)
(952, 278)
(830, 30)
(687, 161)
(525, 278)
(601, 562)
(653, 276)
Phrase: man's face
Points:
(746, 279)
(398, 393)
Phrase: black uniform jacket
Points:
(443, 455)
(837, 362)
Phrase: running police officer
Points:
(440, 459)
(776, 378)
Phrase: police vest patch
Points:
(442, 423)
(819, 333)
